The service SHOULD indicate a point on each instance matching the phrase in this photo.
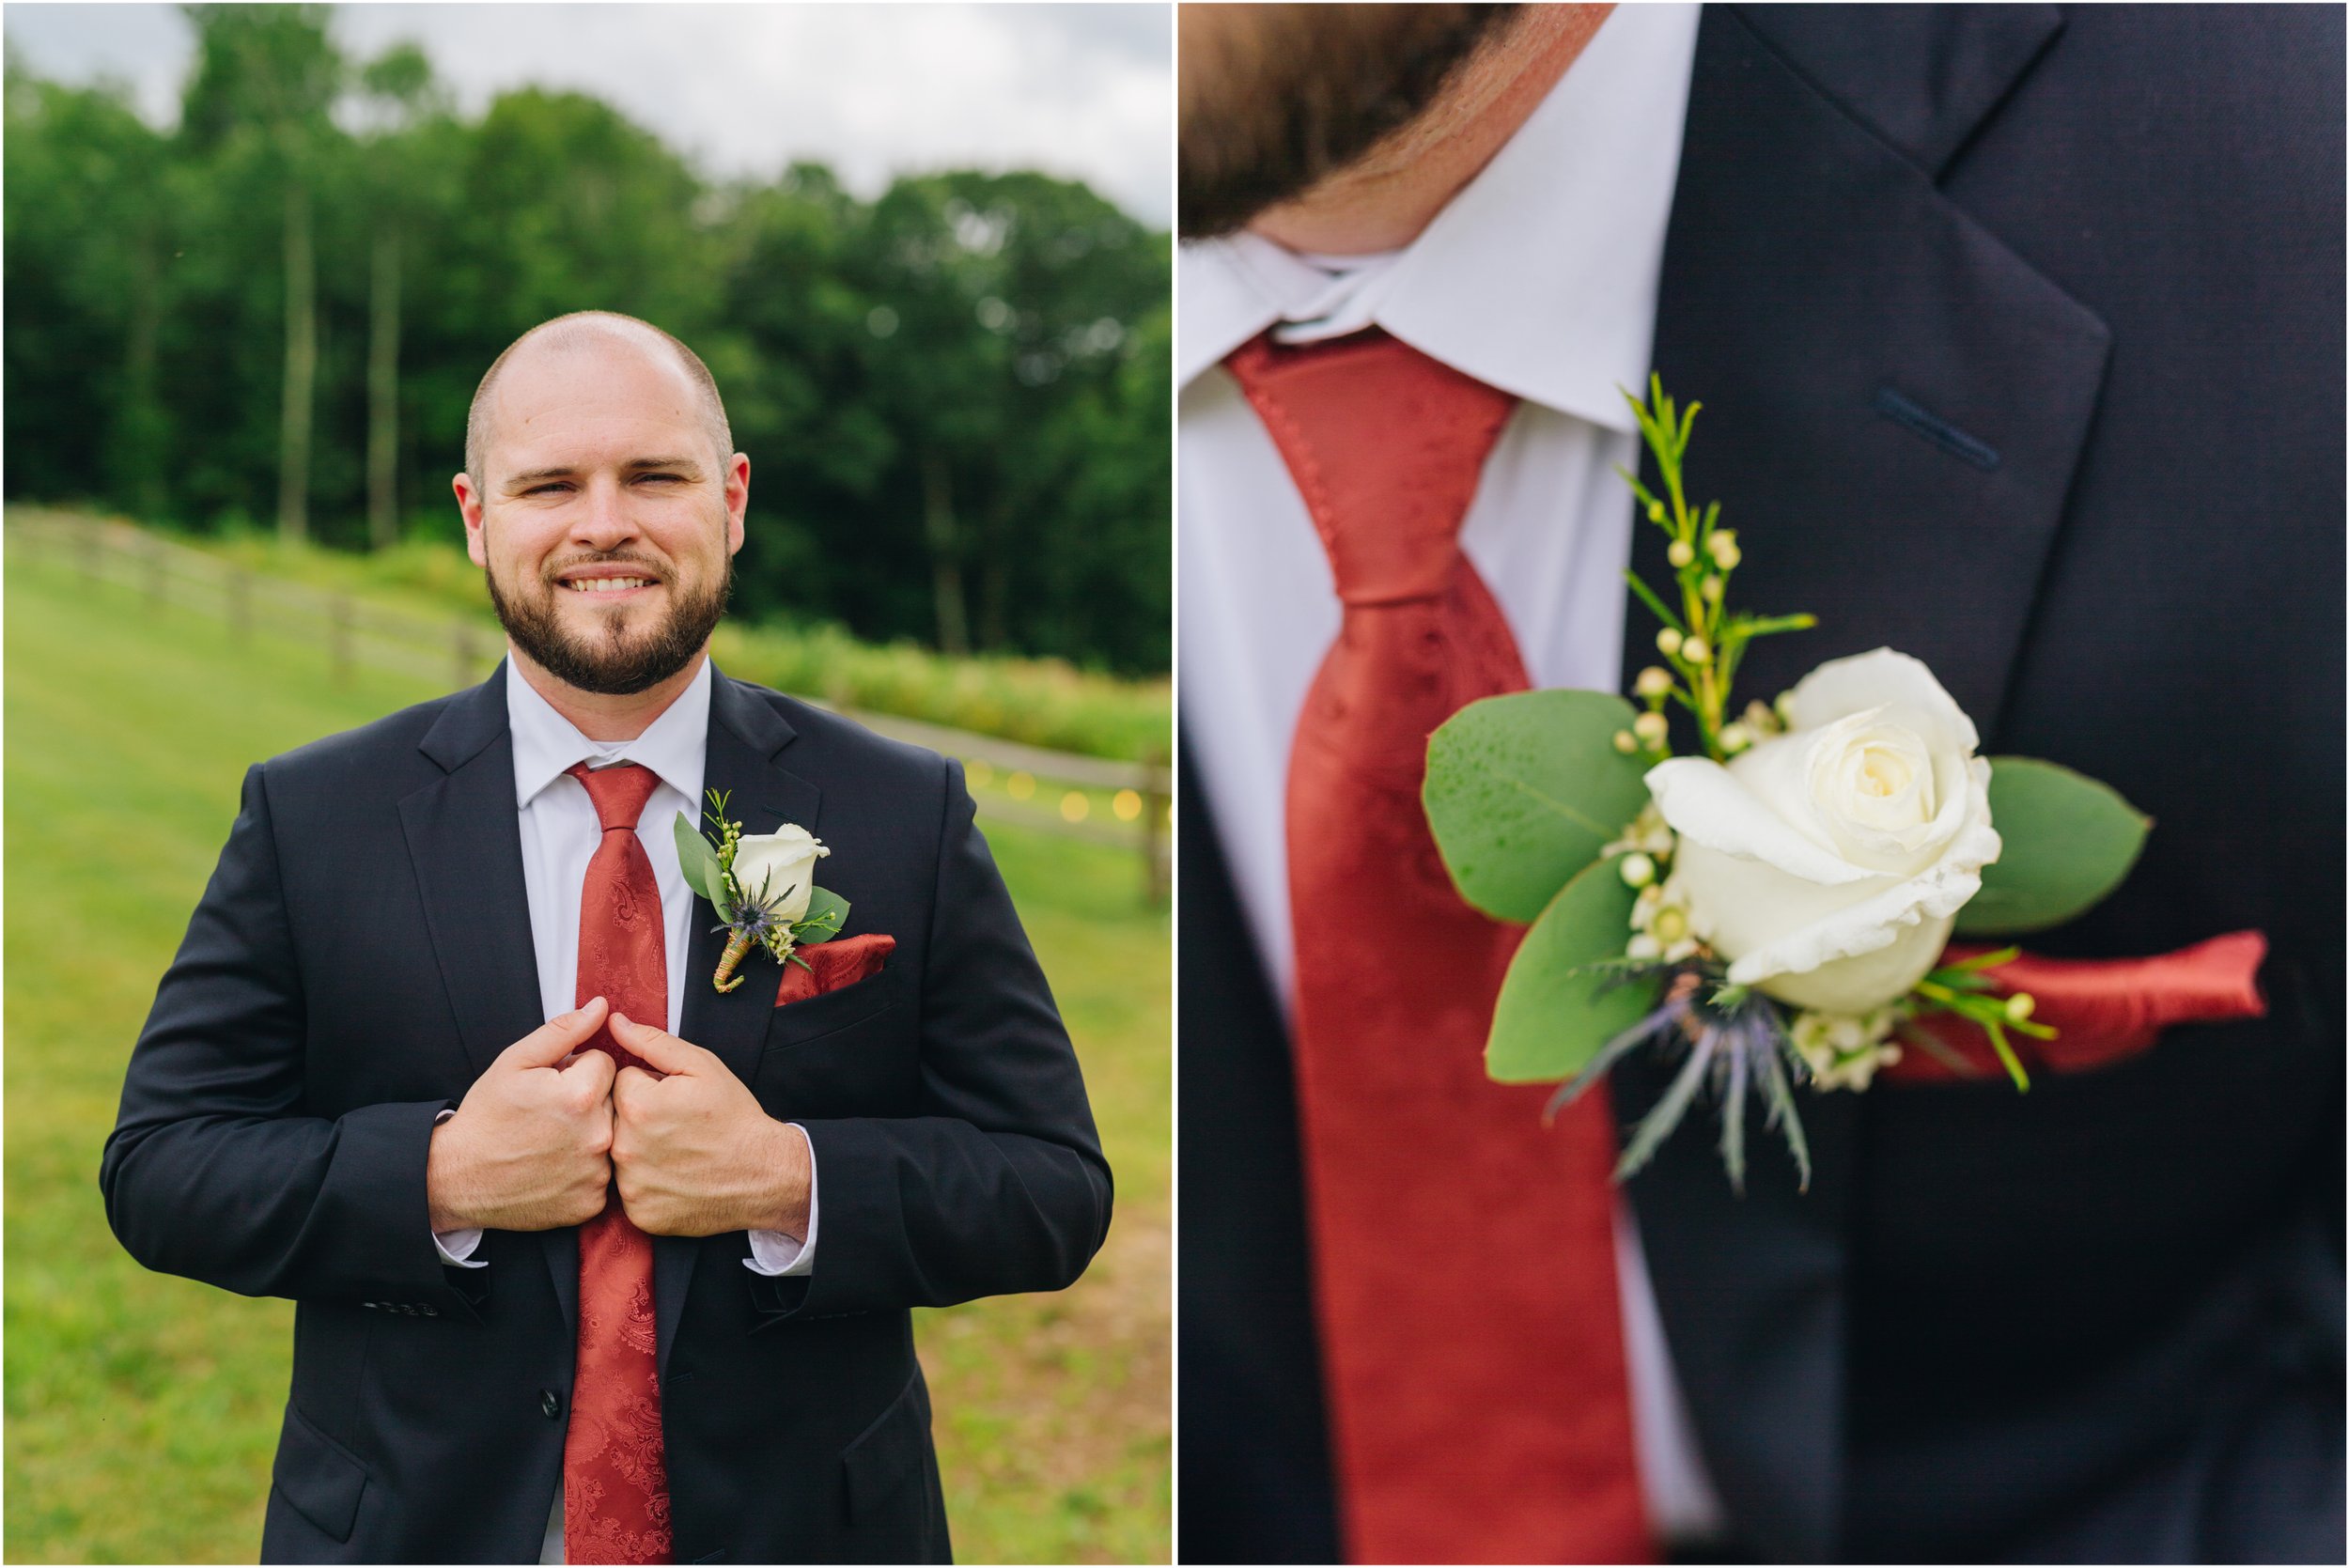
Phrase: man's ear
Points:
(468, 508)
(737, 498)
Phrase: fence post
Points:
(466, 655)
(86, 536)
(151, 549)
(1153, 826)
(338, 637)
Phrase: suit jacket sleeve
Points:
(996, 1183)
(217, 1169)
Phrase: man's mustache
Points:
(554, 571)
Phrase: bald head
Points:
(588, 331)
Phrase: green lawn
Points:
(142, 1410)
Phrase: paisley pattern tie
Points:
(616, 1482)
(1463, 1257)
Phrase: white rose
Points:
(1829, 863)
(779, 869)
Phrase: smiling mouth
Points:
(607, 584)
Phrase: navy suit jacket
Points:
(2019, 335)
(364, 951)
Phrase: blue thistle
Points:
(1729, 1038)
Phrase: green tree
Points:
(89, 231)
(269, 75)
(1001, 303)
(401, 154)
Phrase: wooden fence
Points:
(1051, 791)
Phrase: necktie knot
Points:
(619, 793)
(1386, 446)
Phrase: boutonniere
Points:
(1770, 910)
(763, 887)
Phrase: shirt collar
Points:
(1540, 276)
(547, 745)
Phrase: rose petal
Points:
(1876, 921)
(1868, 980)
(1893, 681)
(1705, 804)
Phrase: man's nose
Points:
(602, 520)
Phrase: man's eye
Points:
(670, 478)
(551, 485)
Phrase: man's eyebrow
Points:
(565, 470)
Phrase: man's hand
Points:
(695, 1153)
(529, 1148)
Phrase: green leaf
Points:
(2069, 841)
(1554, 1013)
(1647, 596)
(1766, 625)
(827, 912)
(1523, 792)
(699, 864)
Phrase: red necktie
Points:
(615, 1478)
(1463, 1257)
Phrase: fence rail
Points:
(459, 649)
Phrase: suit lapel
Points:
(464, 838)
(745, 735)
(1894, 403)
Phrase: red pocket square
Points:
(2103, 1010)
(831, 964)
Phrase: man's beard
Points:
(1289, 95)
(613, 663)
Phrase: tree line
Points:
(956, 396)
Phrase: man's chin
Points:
(610, 672)
(614, 650)
(633, 620)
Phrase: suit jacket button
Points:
(430, 1310)
(550, 1404)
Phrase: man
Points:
(2018, 331)
(546, 1307)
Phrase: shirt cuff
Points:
(457, 1248)
(773, 1252)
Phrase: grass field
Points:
(142, 1410)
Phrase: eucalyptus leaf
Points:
(2068, 841)
(1523, 791)
(827, 912)
(699, 864)
(1554, 1013)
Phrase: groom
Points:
(594, 1262)
(2018, 330)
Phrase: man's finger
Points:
(556, 1038)
(664, 1051)
(593, 1069)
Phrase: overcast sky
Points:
(1085, 91)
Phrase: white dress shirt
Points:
(1538, 278)
(559, 834)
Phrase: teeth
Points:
(608, 584)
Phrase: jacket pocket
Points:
(883, 1466)
(796, 1023)
(317, 1476)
